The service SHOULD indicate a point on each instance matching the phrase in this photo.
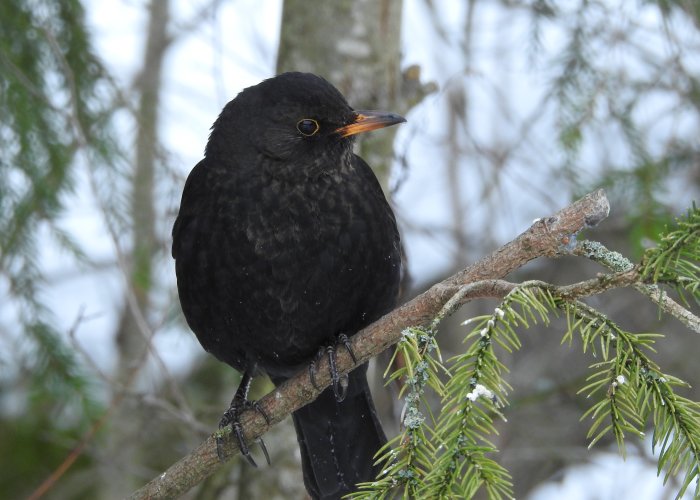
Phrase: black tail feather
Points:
(338, 440)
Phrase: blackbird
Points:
(284, 246)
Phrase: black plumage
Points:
(283, 242)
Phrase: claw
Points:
(312, 375)
(259, 409)
(339, 388)
(343, 339)
(338, 382)
(232, 417)
(264, 449)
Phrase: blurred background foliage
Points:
(616, 105)
(53, 112)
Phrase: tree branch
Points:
(618, 263)
(550, 237)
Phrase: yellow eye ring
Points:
(308, 127)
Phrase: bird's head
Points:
(296, 118)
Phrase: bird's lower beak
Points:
(369, 120)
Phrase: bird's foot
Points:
(232, 417)
(339, 381)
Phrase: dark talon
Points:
(339, 389)
(259, 440)
(264, 449)
(232, 417)
(338, 382)
(237, 429)
(312, 375)
(343, 339)
(259, 409)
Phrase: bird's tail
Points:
(338, 440)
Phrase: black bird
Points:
(284, 245)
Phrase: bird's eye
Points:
(307, 126)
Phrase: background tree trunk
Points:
(134, 332)
(356, 47)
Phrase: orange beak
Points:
(369, 120)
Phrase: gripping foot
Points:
(339, 382)
(232, 417)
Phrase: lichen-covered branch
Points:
(618, 263)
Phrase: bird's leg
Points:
(338, 381)
(232, 417)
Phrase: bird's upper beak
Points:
(369, 120)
